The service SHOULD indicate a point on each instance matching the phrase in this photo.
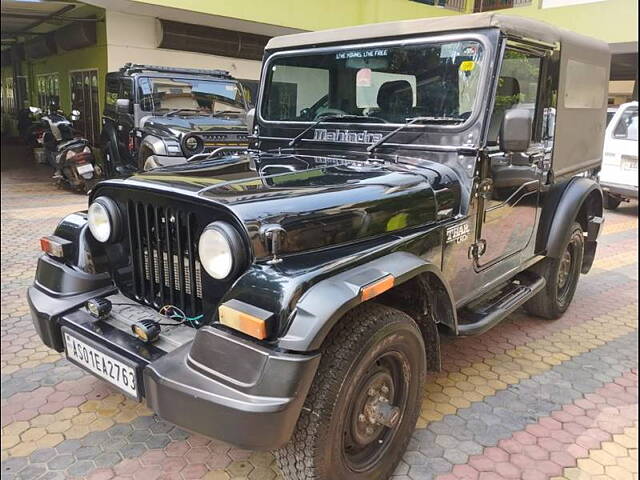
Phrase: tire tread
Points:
(301, 458)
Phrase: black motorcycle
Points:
(66, 151)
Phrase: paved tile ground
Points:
(530, 399)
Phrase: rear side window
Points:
(627, 126)
(583, 86)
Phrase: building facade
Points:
(63, 50)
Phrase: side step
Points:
(479, 319)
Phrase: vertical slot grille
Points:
(166, 270)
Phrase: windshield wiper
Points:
(411, 121)
(178, 110)
(329, 118)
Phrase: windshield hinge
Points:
(272, 236)
(484, 187)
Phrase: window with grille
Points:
(47, 89)
(488, 5)
(458, 5)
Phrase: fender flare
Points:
(562, 207)
(74, 227)
(153, 143)
(315, 316)
(87, 255)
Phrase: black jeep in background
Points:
(169, 114)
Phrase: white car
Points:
(619, 174)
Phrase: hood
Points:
(320, 201)
(178, 125)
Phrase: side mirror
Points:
(122, 105)
(75, 115)
(515, 133)
(251, 118)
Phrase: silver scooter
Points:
(68, 153)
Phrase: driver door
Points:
(512, 180)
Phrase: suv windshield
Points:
(179, 95)
(391, 83)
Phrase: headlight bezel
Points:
(113, 215)
(235, 246)
(192, 151)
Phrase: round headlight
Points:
(220, 250)
(103, 219)
(191, 143)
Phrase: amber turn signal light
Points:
(376, 288)
(55, 246)
(245, 318)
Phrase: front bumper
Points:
(626, 191)
(218, 385)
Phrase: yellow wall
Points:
(609, 20)
(309, 15)
(135, 38)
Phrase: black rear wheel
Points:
(364, 402)
(562, 275)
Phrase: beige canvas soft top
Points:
(523, 27)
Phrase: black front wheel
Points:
(364, 402)
(561, 275)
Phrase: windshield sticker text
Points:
(374, 52)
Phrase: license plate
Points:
(102, 364)
(629, 162)
(86, 168)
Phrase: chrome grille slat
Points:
(166, 269)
